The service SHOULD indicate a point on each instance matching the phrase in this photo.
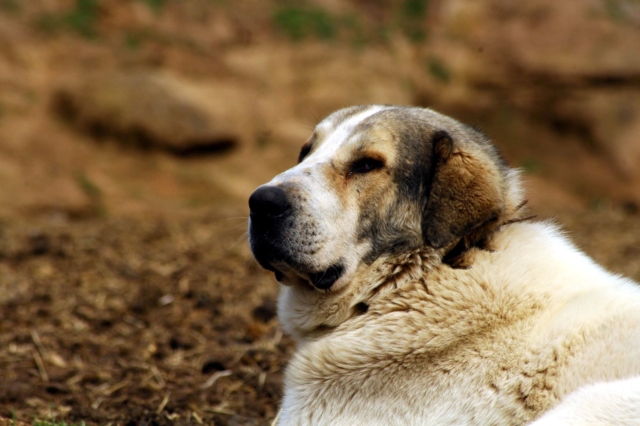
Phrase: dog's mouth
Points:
(326, 279)
(322, 280)
(274, 256)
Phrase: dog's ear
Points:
(463, 192)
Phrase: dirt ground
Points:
(128, 294)
(161, 320)
(138, 321)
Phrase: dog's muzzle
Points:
(272, 216)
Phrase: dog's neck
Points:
(307, 313)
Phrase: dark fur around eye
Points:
(304, 152)
(365, 165)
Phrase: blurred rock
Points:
(307, 82)
(628, 150)
(545, 195)
(160, 110)
(564, 40)
(571, 67)
(610, 118)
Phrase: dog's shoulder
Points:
(541, 257)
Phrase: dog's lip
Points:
(266, 255)
(324, 280)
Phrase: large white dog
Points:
(421, 294)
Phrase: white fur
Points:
(556, 304)
(605, 403)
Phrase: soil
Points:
(158, 320)
(138, 321)
(128, 294)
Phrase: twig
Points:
(96, 404)
(36, 340)
(116, 387)
(38, 360)
(158, 376)
(275, 421)
(261, 380)
(219, 410)
(163, 404)
(214, 377)
(276, 338)
(509, 222)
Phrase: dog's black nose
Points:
(269, 201)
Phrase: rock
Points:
(610, 118)
(627, 153)
(561, 39)
(570, 66)
(160, 110)
(310, 81)
(545, 195)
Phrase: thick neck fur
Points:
(307, 313)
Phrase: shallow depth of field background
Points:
(133, 131)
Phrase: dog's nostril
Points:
(270, 201)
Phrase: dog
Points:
(421, 293)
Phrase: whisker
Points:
(242, 237)
(239, 225)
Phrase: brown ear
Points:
(464, 195)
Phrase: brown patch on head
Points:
(357, 172)
(465, 199)
(368, 171)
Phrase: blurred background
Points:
(133, 131)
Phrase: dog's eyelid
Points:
(306, 148)
(365, 165)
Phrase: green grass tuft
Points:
(302, 22)
(81, 19)
(415, 8)
(438, 69)
(156, 5)
(54, 422)
(12, 6)
(94, 193)
(531, 166)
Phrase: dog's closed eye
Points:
(306, 148)
(365, 165)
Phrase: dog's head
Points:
(374, 181)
